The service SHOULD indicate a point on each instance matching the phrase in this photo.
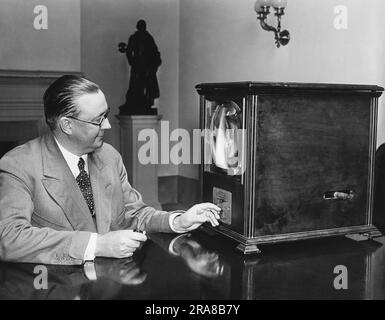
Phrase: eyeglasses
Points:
(99, 124)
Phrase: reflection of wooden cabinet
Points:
(308, 157)
(302, 272)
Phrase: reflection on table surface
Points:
(205, 265)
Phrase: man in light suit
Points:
(65, 197)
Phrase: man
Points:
(65, 197)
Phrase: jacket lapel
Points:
(60, 183)
(102, 191)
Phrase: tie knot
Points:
(81, 164)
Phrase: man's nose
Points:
(106, 124)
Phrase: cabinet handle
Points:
(338, 195)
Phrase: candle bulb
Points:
(279, 3)
(261, 3)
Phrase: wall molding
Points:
(35, 74)
(21, 101)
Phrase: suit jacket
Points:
(44, 217)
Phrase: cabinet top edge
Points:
(280, 86)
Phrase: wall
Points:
(104, 25)
(56, 48)
(221, 40)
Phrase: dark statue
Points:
(144, 58)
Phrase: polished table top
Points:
(204, 265)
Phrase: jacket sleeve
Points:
(137, 215)
(19, 240)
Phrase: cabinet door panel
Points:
(309, 146)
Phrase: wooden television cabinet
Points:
(289, 161)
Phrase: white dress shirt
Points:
(72, 162)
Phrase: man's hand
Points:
(199, 259)
(118, 244)
(196, 215)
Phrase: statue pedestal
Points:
(143, 177)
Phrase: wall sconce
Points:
(262, 8)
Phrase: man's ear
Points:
(65, 125)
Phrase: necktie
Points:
(84, 183)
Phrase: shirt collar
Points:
(72, 159)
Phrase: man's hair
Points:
(60, 99)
